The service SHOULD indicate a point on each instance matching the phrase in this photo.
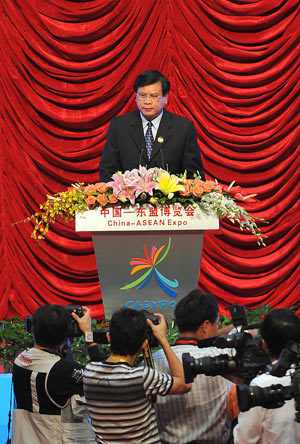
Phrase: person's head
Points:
(152, 89)
(51, 325)
(197, 313)
(278, 327)
(128, 330)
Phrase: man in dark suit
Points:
(151, 136)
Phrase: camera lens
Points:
(269, 397)
(218, 365)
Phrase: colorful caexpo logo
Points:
(151, 262)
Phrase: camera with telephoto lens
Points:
(274, 396)
(249, 357)
(74, 330)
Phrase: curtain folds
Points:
(68, 67)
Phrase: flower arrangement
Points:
(143, 186)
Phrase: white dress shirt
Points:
(268, 426)
(155, 124)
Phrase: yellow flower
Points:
(168, 184)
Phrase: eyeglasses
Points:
(152, 97)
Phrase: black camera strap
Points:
(148, 360)
(147, 354)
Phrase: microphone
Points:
(160, 140)
(140, 159)
(162, 159)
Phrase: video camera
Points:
(249, 357)
(275, 396)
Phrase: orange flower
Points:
(199, 182)
(113, 199)
(101, 187)
(218, 188)
(90, 201)
(197, 190)
(186, 190)
(89, 189)
(207, 187)
(102, 199)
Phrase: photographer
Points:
(262, 425)
(120, 396)
(200, 416)
(46, 385)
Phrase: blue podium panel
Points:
(5, 390)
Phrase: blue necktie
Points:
(149, 140)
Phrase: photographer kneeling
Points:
(263, 425)
(120, 396)
(45, 384)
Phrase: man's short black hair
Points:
(128, 329)
(152, 76)
(195, 308)
(280, 326)
(51, 325)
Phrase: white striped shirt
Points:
(119, 401)
(200, 415)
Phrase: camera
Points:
(74, 331)
(247, 361)
(275, 396)
(249, 356)
(289, 355)
(153, 342)
(271, 397)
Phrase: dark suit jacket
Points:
(125, 147)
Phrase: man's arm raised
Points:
(176, 368)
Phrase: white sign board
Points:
(146, 218)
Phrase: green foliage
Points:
(257, 314)
(13, 339)
(224, 320)
(173, 332)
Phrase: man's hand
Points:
(84, 322)
(159, 330)
(225, 330)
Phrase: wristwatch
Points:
(89, 337)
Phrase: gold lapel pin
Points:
(160, 139)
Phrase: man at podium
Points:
(151, 136)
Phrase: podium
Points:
(147, 257)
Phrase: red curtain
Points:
(68, 67)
